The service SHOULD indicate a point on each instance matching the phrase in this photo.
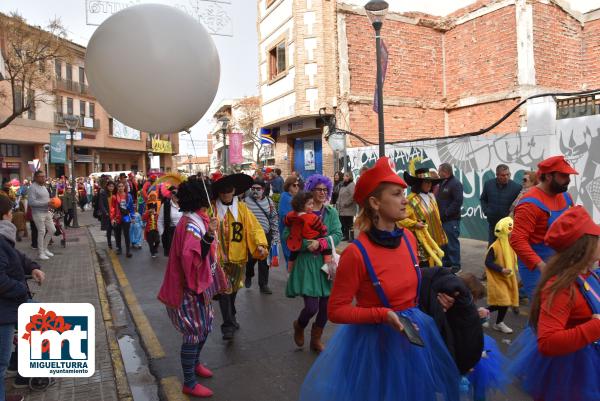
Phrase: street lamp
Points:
(190, 164)
(72, 123)
(46, 157)
(224, 125)
(376, 11)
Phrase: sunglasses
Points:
(323, 190)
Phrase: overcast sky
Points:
(239, 53)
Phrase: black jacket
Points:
(496, 200)
(14, 265)
(460, 326)
(450, 199)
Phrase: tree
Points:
(247, 118)
(28, 53)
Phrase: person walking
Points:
(307, 279)
(530, 180)
(39, 200)
(151, 234)
(370, 357)
(423, 217)
(68, 206)
(106, 207)
(338, 181)
(189, 283)
(557, 356)
(81, 195)
(346, 206)
(534, 215)
(265, 211)
(168, 217)
(291, 187)
(450, 200)
(122, 211)
(497, 197)
(240, 236)
(14, 265)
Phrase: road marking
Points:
(147, 334)
(171, 387)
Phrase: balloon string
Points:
(203, 183)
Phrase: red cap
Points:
(153, 177)
(381, 172)
(569, 227)
(216, 176)
(555, 164)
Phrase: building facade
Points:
(445, 75)
(105, 144)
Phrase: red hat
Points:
(153, 177)
(216, 176)
(381, 172)
(569, 227)
(555, 164)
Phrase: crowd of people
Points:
(411, 323)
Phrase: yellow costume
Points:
(503, 290)
(238, 233)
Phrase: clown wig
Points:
(317, 179)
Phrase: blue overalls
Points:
(530, 278)
(590, 288)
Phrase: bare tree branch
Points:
(28, 53)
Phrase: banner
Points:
(475, 159)
(120, 130)
(384, 66)
(58, 149)
(266, 136)
(235, 148)
(161, 146)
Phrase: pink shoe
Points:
(198, 391)
(203, 371)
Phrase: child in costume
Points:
(151, 229)
(136, 230)
(487, 376)
(304, 225)
(557, 357)
(501, 269)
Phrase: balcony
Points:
(71, 86)
(84, 122)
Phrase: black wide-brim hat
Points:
(240, 182)
(420, 176)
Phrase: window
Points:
(103, 167)
(81, 75)
(31, 101)
(92, 110)
(58, 69)
(110, 126)
(10, 150)
(69, 75)
(59, 104)
(277, 61)
(82, 108)
(70, 106)
(110, 167)
(18, 99)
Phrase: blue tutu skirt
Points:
(373, 362)
(488, 375)
(572, 377)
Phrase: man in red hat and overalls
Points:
(534, 214)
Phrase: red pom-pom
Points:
(275, 261)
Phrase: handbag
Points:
(331, 267)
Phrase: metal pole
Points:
(73, 187)
(377, 26)
(225, 151)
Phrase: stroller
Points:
(34, 383)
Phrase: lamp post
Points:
(376, 11)
(72, 123)
(224, 125)
(46, 158)
(190, 164)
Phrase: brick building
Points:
(446, 75)
(106, 144)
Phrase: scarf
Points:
(386, 239)
(8, 230)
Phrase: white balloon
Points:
(154, 68)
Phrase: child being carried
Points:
(305, 225)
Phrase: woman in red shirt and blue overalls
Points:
(557, 358)
(370, 357)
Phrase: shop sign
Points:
(160, 146)
(11, 165)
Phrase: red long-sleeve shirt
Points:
(395, 271)
(567, 324)
(531, 224)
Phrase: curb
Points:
(123, 389)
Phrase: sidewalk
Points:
(71, 277)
